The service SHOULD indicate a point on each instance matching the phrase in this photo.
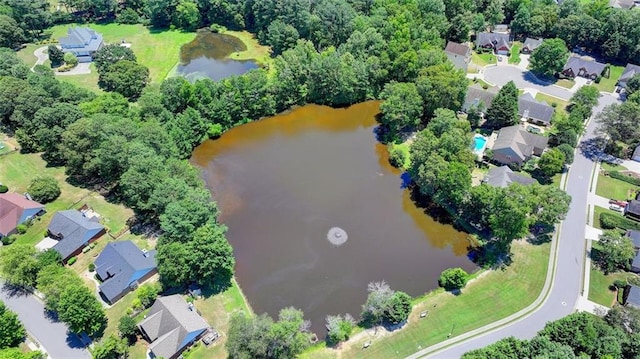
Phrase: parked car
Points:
(616, 208)
(618, 202)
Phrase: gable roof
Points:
(496, 40)
(629, 71)
(476, 95)
(12, 210)
(633, 298)
(531, 43)
(457, 49)
(81, 37)
(622, 4)
(576, 63)
(635, 237)
(74, 229)
(503, 176)
(529, 107)
(633, 207)
(521, 142)
(168, 323)
(118, 264)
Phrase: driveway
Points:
(41, 55)
(82, 68)
(565, 293)
(52, 335)
(500, 75)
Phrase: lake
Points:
(283, 183)
(206, 57)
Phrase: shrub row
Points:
(626, 178)
(611, 221)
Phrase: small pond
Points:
(207, 57)
(315, 213)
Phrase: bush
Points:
(44, 189)
(70, 59)
(597, 80)
(9, 239)
(21, 228)
(215, 28)
(127, 327)
(453, 278)
(72, 260)
(612, 221)
(147, 293)
(128, 16)
(92, 267)
(215, 130)
(619, 283)
(626, 178)
(3, 188)
(397, 157)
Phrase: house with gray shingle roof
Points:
(82, 42)
(458, 54)
(623, 4)
(503, 176)
(514, 145)
(629, 71)
(73, 231)
(533, 110)
(577, 66)
(634, 235)
(498, 42)
(16, 209)
(171, 326)
(633, 297)
(122, 266)
(530, 44)
(479, 98)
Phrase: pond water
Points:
(315, 213)
(206, 57)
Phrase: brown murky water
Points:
(283, 182)
(206, 57)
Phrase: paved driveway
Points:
(52, 335)
(500, 75)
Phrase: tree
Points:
(585, 97)
(159, 12)
(56, 56)
(339, 328)
(187, 15)
(147, 293)
(377, 303)
(127, 327)
(16, 353)
(398, 308)
(44, 189)
(442, 86)
(281, 37)
(504, 107)
(620, 122)
(453, 278)
(18, 265)
(211, 256)
(567, 151)
(110, 54)
(111, 348)
(81, 311)
(494, 13)
(402, 107)
(12, 332)
(633, 84)
(125, 77)
(614, 251)
(550, 57)
(551, 162)
(70, 59)
(11, 35)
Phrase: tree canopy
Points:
(550, 57)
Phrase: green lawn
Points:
(609, 84)
(612, 167)
(494, 295)
(561, 104)
(514, 58)
(599, 284)
(88, 81)
(612, 188)
(565, 83)
(483, 59)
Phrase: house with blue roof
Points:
(122, 266)
(82, 42)
(73, 231)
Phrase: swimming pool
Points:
(479, 142)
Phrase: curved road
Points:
(566, 287)
(500, 75)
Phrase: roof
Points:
(12, 208)
(629, 71)
(476, 95)
(458, 49)
(634, 296)
(167, 324)
(503, 176)
(633, 207)
(81, 37)
(635, 237)
(120, 262)
(519, 140)
(532, 43)
(494, 38)
(622, 4)
(576, 63)
(74, 229)
(529, 107)
(636, 152)
(501, 28)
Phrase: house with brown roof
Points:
(458, 54)
(577, 66)
(498, 42)
(16, 209)
(514, 145)
(530, 44)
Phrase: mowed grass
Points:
(561, 104)
(261, 54)
(599, 285)
(612, 167)
(609, 84)
(492, 296)
(483, 59)
(613, 188)
(566, 83)
(87, 81)
(514, 58)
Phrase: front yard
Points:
(613, 188)
(483, 59)
(560, 104)
(514, 58)
(609, 84)
(600, 284)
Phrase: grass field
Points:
(514, 58)
(612, 188)
(492, 296)
(88, 81)
(609, 84)
(561, 104)
(599, 284)
(565, 83)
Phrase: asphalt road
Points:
(567, 285)
(500, 75)
(51, 334)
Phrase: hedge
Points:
(3, 188)
(72, 260)
(625, 178)
(611, 221)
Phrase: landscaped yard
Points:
(609, 84)
(566, 83)
(514, 58)
(596, 215)
(612, 188)
(491, 296)
(612, 167)
(561, 104)
(483, 59)
(599, 284)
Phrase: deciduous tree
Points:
(402, 107)
(453, 278)
(551, 162)
(110, 54)
(125, 77)
(12, 332)
(614, 251)
(550, 57)
(44, 189)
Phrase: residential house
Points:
(122, 266)
(503, 176)
(632, 210)
(629, 71)
(171, 326)
(533, 110)
(633, 297)
(499, 43)
(635, 238)
(530, 44)
(577, 66)
(16, 209)
(515, 145)
(479, 98)
(636, 154)
(73, 231)
(458, 54)
(635, 264)
(82, 42)
(501, 28)
(624, 4)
